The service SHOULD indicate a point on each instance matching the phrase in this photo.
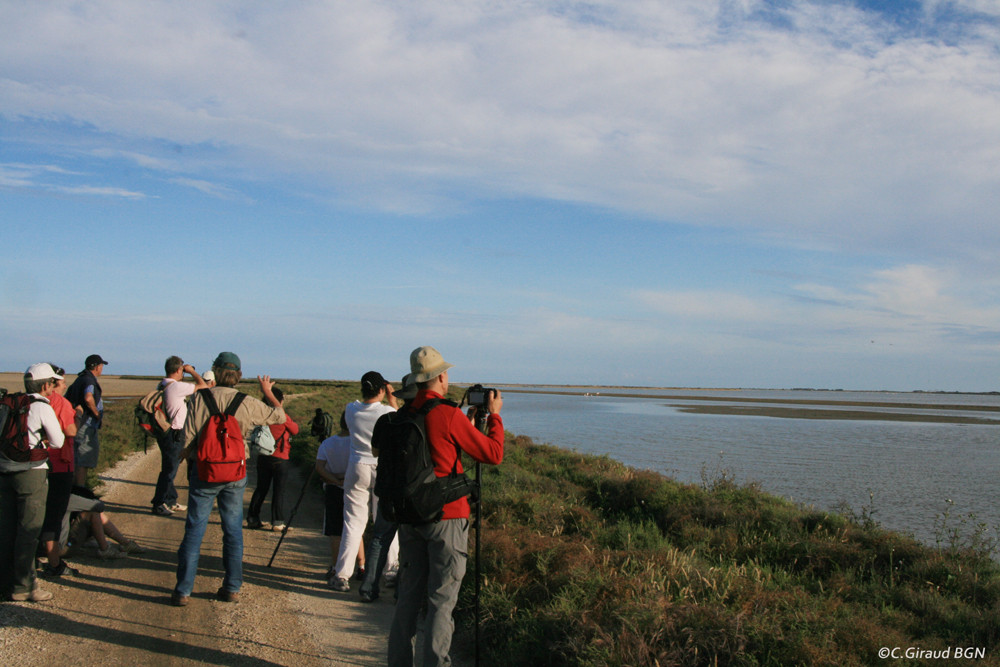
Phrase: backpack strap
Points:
(422, 414)
(235, 404)
(213, 407)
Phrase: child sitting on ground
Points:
(92, 521)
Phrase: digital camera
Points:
(479, 396)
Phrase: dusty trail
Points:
(118, 612)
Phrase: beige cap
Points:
(427, 363)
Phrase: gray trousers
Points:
(22, 511)
(432, 560)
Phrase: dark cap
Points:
(227, 360)
(94, 360)
(372, 383)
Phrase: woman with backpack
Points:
(273, 469)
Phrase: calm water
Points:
(912, 469)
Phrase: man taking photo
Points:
(433, 556)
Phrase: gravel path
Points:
(118, 612)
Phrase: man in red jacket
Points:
(433, 556)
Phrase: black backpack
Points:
(408, 489)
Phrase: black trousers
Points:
(270, 470)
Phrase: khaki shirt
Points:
(252, 412)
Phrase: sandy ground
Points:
(111, 385)
(118, 612)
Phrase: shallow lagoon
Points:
(906, 471)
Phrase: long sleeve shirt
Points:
(448, 431)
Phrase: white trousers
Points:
(360, 505)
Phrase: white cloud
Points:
(679, 110)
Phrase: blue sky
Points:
(734, 193)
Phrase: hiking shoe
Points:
(37, 595)
(111, 553)
(369, 596)
(132, 547)
(222, 595)
(177, 507)
(253, 523)
(60, 570)
(179, 600)
(278, 527)
(162, 510)
(339, 584)
(391, 580)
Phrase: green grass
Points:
(586, 561)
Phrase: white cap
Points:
(42, 371)
(209, 376)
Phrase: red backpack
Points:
(222, 453)
(14, 428)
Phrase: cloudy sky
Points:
(687, 193)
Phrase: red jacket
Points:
(283, 436)
(448, 430)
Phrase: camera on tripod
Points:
(479, 396)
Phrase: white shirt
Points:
(361, 418)
(335, 452)
(42, 425)
(174, 403)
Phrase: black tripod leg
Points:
(291, 516)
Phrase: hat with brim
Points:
(427, 363)
(407, 388)
(42, 371)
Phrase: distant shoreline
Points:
(122, 386)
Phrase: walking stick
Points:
(479, 540)
(291, 516)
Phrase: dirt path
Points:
(118, 612)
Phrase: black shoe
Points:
(61, 570)
(253, 523)
(359, 574)
(369, 596)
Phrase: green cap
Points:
(227, 360)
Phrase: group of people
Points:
(430, 558)
(41, 490)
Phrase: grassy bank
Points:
(586, 561)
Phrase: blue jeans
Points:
(170, 446)
(378, 553)
(200, 496)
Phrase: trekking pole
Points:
(291, 516)
(479, 541)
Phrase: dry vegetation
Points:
(586, 561)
